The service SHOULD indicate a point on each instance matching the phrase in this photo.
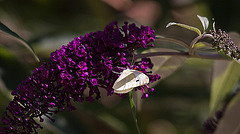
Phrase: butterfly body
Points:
(128, 80)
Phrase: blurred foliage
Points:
(227, 17)
(179, 105)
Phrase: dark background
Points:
(179, 104)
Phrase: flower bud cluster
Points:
(223, 43)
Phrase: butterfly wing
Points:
(128, 80)
(123, 83)
(141, 78)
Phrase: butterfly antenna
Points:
(116, 72)
(133, 58)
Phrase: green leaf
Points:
(165, 65)
(225, 76)
(200, 45)
(203, 46)
(194, 29)
(9, 32)
(204, 21)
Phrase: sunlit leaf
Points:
(204, 47)
(200, 45)
(225, 76)
(230, 123)
(9, 32)
(194, 29)
(204, 21)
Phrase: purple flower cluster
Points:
(77, 72)
(223, 43)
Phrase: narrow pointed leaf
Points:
(225, 77)
(194, 29)
(204, 21)
(9, 32)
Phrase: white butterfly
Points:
(128, 80)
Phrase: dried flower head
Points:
(87, 62)
(223, 43)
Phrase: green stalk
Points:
(133, 108)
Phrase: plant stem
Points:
(133, 108)
(186, 54)
(191, 52)
(191, 47)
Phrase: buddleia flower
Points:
(87, 62)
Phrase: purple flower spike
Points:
(88, 61)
